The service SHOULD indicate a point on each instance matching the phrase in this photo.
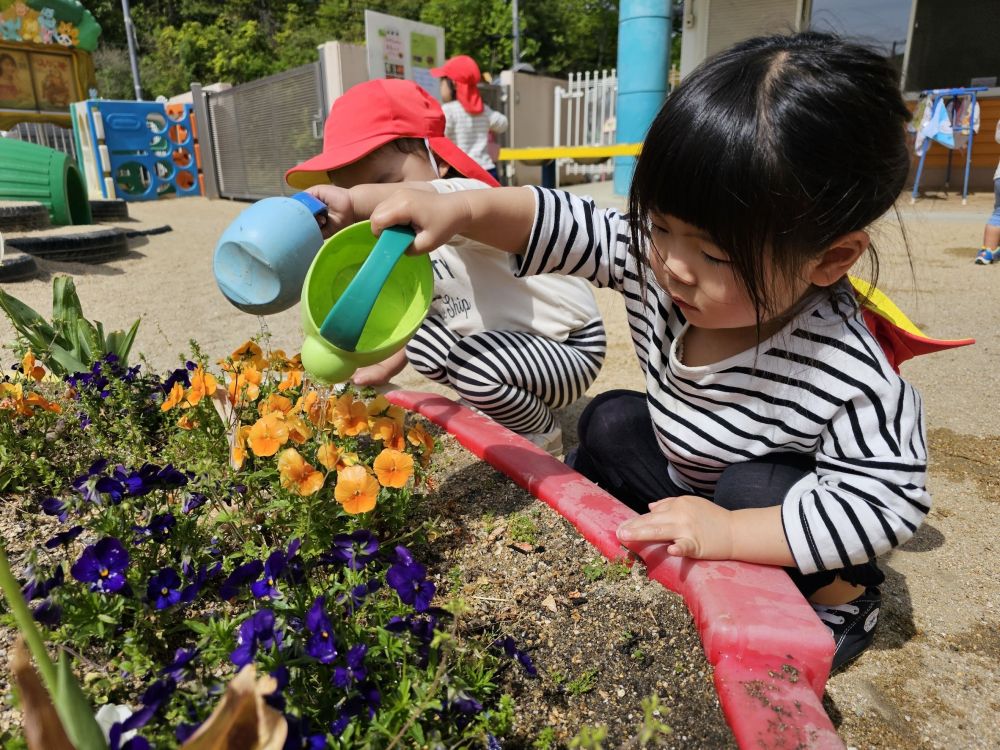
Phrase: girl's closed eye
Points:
(716, 260)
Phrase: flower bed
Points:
(177, 547)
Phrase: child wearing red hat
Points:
(468, 122)
(514, 348)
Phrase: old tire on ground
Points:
(79, 244)
(17, 267)
(23, 216)
(112, 210)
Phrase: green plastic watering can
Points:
(362, 300)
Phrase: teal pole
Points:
(643, 65)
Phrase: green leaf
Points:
(123, 349)
(28, 323)
(107, 618)
(68, 362)
(76, 713)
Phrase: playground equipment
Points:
(43, 175)
(391, 296)
(137, 151)
(262, 258)
(643, 66)
(45, 60)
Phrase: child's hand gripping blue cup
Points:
(362, 300)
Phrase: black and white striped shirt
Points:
(820, 386)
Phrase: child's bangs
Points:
(707, 166)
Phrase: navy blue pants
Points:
(618, 451)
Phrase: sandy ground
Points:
(931, 678)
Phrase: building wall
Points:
(531, 111)
(709, 26)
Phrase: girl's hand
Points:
(340, 208)
(435, 218)
(691, 526)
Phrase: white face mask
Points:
(430, 153)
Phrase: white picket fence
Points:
(585, 116)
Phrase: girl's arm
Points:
(346, 206)
(499, 217)
(696, 527)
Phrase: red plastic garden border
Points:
(750, 617)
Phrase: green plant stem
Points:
(26, 623)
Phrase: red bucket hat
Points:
(465, 73)
(372, 114)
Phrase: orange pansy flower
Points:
(329, 455)
(173, 398)
(31, 369)
(298, 430)
(249, 353)
(35, 399)
(292, 379)
(268, 434)
(297, 475)
(275, 402)
(389, 432)
(356, 490)
(186, 423)
(310, 405)
(245, 385)
(350, 417)
(420, 438)
(393, 468)
(238, 453)
(202, 384)
(378, 405)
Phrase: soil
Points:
(929, 680)
(602, 637)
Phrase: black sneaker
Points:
(852, 625)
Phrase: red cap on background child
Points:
(372, 114)
(464, 73)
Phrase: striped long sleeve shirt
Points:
(820, 386)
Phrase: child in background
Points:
(468, 122)
(514, 348)
(773, 428)
(991, 234)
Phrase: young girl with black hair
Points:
(773, 428)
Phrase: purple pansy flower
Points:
(168, 476)
(159, 528)
(354, 669)
(138, 742)
(64, 537)
(409, 579)
(354, 550)
(102, 565)
(153, 698)
(39, 584)
(163, 589)
(509, 647)
(367, 700)
(47, 613)
(279, 565)
(235, 581)
(356, 597)
(192, 501)
(53, 506)
(178, 668)
(111, 487)
(321, 646)
(256, 631)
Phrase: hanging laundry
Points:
(937, 128)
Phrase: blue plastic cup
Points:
(262, 258)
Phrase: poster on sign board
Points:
(400, 48)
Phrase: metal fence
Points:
(585, 116)
(44, 134)
(258, 130)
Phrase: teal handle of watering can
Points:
(346, 320)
